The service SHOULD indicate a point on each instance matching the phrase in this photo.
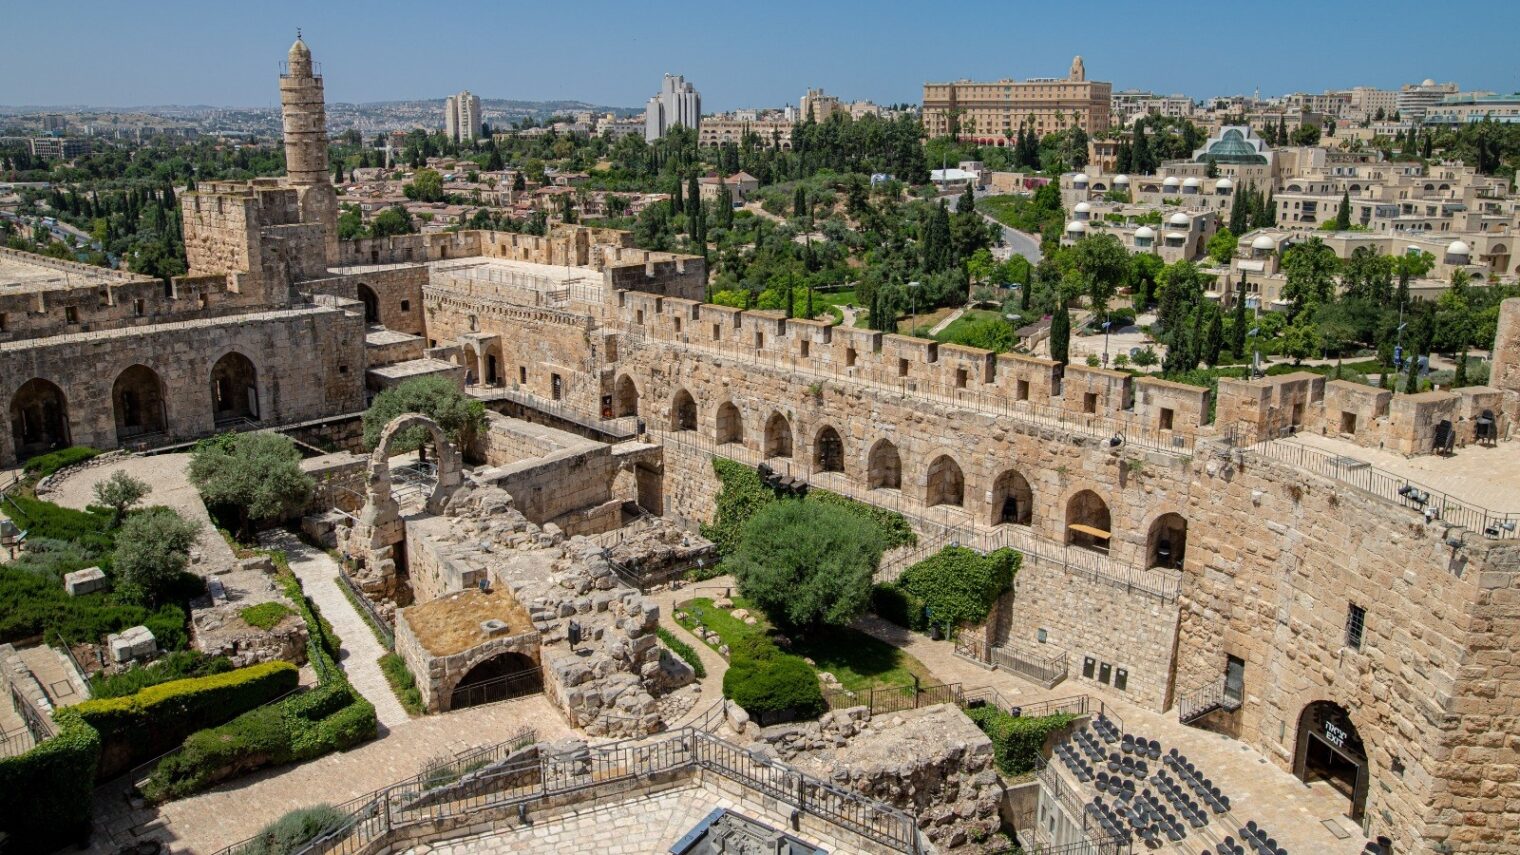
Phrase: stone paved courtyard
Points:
(237, 810)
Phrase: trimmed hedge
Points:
(683, 650)
(959, 586)
(332, 717)
(1017, 740)
(403, 683)
(44, 465)
(176, 666)
(135, 727)
(49, 790)
(765, 681)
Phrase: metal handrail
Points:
(1205, 699)
(377, 620)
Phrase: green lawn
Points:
(858, 660)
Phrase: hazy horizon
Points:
(183, 54)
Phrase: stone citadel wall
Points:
(1274, 559)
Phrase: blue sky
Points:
(755, 53)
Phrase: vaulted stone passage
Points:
(778, 436)
(884, 467)
(683, 411)
(828, 451)
(625, 397)
(234, 389)
(946, 485)
(1012, 499)
(729, 424)
(137, 400)
(39, 418)
(1088, 523)
(1166, 543)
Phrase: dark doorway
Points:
(1330, 750)
(508, 675)
(234, 389)
(371, 303)
(39, 418)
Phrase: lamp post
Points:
(1106, 325)
(1255, 352)
(913, 297)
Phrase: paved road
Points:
(1018, 242)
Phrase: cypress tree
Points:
(1238, 322)
(1343, 214)
(799, 202)
(693, 197)
(1239, 208)
(1460, 378)
(676, 204)
(1412, 380)
(1060, 335)
(1213, 336)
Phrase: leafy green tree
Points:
(255, 475)
(151, 553)
(1222, 246)
(1410, 266)
(461, 416)
(1310, 268)
(807, 564)
(426, 186)
(119, 493)
(1301, 339)
(391, 221)
(1104, 263)
(1306, 135)
(1146, 357)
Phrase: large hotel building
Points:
(990, 113)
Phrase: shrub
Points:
(895, 529)
(265, 616)
(291, 832)
(806, 565)
(683, 650)
(742, 495)
(151, 553)
(959, 586)
(176, 666)
(257, 476)
(402, 683)
(772, 685)
(1017, 740)
(150, 722)
(49, 790)
(892, 603)
(119, 493)
(44, 465)
(87, 529)
(329, 718)
(459, 415)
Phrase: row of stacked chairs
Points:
(1184, 804)
(1152, 822)
(1254, 840)
(1105, 727)
(1211, 795)
(1075, 762)
(1140, 746)
(1128, 766)
(1110, 821)
(1090, 746)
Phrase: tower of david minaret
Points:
(305, 122)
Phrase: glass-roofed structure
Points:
(1235, 144)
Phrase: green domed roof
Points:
(1232, 148)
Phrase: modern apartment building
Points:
(992, 112)
(1417, 98)
(461, 117)
(678, 103)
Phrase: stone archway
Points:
(828, 451)
(729, 424)
(1012, 499)
(1166, 542)
(1329, 749)
(884, 467)
(944, 483)
(778, 436)
(508, 674)
(378, 529)
(683, 411)
(234, 389)
(39, 418)
(137, 401)
(1088, 522)
(625, 397)
(371, 302)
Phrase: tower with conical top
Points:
(305, 123)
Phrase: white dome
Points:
(1223, 184)
(1191, 182)
(1082, 208)
(1076, 226)
(1171, 181)
(1428, 82)
(1176, 236)
(1263, 242)
(1081, 178)
(1121, 179)
(1457, 247)
(1145, 232)
(1180, 219)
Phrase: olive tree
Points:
(257, 476)
(807, 564)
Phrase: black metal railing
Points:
(506, 776)
(1390, 487)
(37, 723)
(1047, 671)
(529, 681)
(1211, 696)
(377, 620)
(879, 700)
